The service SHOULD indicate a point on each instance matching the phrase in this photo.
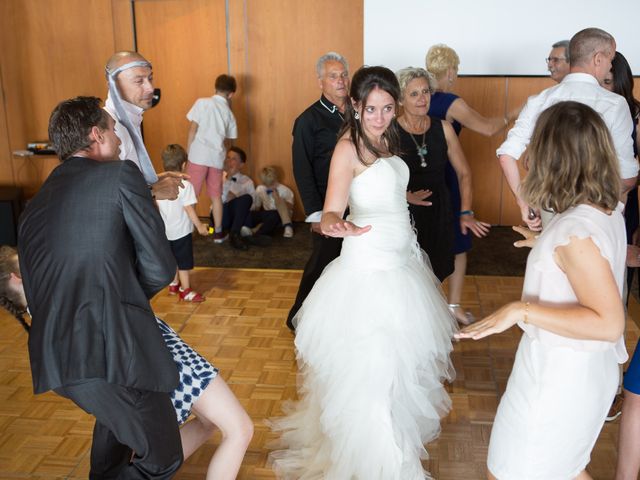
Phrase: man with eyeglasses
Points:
(592, 51)
(558, 60)
(315, 134)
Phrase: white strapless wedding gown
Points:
(373, 340)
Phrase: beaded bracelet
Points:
(526, 313)
(466, 212)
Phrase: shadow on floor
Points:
(493, 255)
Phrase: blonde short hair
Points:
(572, 160)
(411, 73)
(268, 176)
(441, 58)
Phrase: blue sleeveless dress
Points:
(440, 103)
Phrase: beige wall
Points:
(58, 49)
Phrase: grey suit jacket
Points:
(93, 251)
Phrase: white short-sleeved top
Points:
(176, 221)
(215, 123)
(547, 284)
(264, 198)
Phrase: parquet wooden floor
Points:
(241, 329)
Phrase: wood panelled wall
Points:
(50, 51)
(56, 50)
(493, 96)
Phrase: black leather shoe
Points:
(290, 325)
(238, 242)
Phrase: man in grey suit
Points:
(92, 253)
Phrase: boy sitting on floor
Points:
(273, 205)
(238, 193)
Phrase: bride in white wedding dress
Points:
(374, 335)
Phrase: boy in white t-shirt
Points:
(212, 127)
(180, 217)
(273, 204)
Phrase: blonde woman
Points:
(565, 373)
(443, 62)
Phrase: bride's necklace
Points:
(422, 148)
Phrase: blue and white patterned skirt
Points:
(195, 372)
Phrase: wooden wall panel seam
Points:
(4, 122)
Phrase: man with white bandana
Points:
(130, 81)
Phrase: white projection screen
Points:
(492, 37)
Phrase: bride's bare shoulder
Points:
(345, 150)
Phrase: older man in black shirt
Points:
(315, 134)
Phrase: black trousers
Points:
(270, 220)
(325, 250)
(129, 421)
(235, 213)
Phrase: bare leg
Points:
(456, 284)
(176, 279)
(194, 433)
(629, 438)
(456, 279)
(183, 275)
(218, 407)
(216, 210)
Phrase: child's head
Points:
(236, 158)
(269, 176)
(225, 84)
(173, 158)
(572, 160)
(11, 290)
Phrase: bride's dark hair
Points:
(364, 81)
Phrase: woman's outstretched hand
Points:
(530, 237)
(344, 228)
(497, 322)
(478, 228)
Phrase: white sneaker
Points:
(245, 232)
(288, 232)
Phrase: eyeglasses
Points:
(555, 59)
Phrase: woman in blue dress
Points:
(442, 62)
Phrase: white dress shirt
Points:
(238, 184)
(583, 88)
(264, 196)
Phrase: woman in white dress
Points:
(373, 337)
(565, 373)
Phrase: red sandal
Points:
(174, 288)
(192, 296)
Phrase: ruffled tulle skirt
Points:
(373, 349)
